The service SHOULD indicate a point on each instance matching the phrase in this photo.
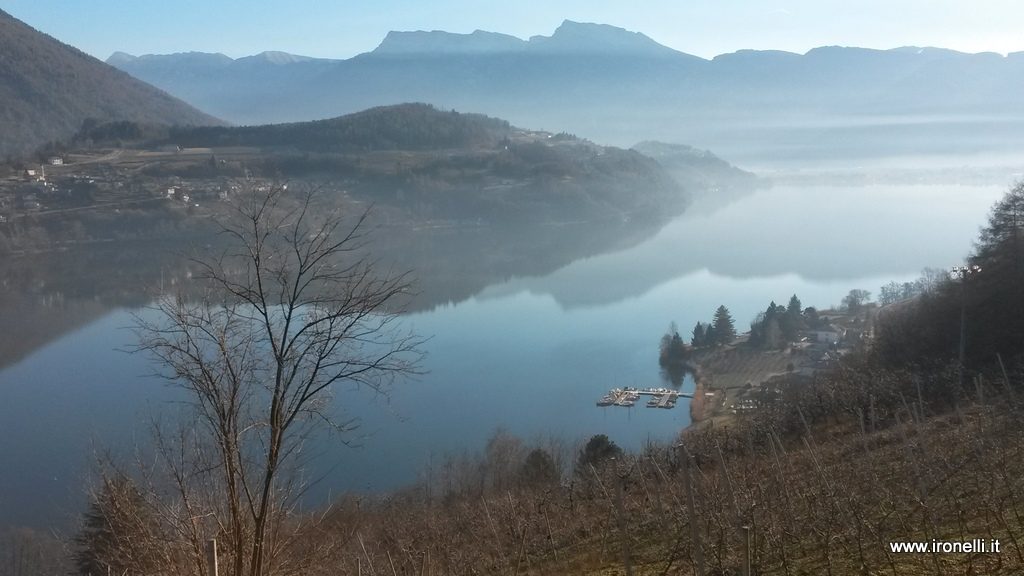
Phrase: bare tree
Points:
(293, 307)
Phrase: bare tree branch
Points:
(294, 307)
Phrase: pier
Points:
(628, 397)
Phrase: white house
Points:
(826, 335)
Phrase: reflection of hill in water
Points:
(830, 233)
(820, 233)
(30, 322)
(44, 296)
(456, 264)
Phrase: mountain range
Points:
(616, 86)
(596, 81)
(47, 89)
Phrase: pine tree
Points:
(792, 321)
(538, 468)
(724, 328)
(672, 349)
(794, 308)
(811, 319)
(119, 534)
(699, 336)
(992, 294)
(597, 450)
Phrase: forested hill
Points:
(400, 127)
(697, 168)
(430, 164)
(49, 88)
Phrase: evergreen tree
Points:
(663, 347)
(792, 321)
(538, 468)
(794, 308)
(811, 319)
(699, 339)
(983, 304)
(992, 292)
(119, 533)
(672, 350)
(598, 449)
(677, 350)
(725, 329)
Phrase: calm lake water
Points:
(529, 354)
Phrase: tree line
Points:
(721, 330)
(978, 308)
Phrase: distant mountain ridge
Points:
(50, 88)
(410, 127)
(439, 42)
(617, 87)
(570, 37)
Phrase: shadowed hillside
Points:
(403, 127)
(49, 88)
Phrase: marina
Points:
(628, 397)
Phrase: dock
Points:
(627, 397)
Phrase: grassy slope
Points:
(824, 502)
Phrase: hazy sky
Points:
(343, 28)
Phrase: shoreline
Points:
(729, 374)
(700, 408)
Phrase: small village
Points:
(82, 198)
(189, 182)
(78, 182)
(738, 378)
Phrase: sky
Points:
(344, 28)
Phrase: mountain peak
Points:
(206, 59)
(439, 42)
(586, 37)
(276, 57)
(118, 58)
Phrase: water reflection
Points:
(673, 375)
(538, 325)
(823, 234)
(48, 294)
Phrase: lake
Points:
(530, 353)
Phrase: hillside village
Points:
(738, 378)
(92, 193)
